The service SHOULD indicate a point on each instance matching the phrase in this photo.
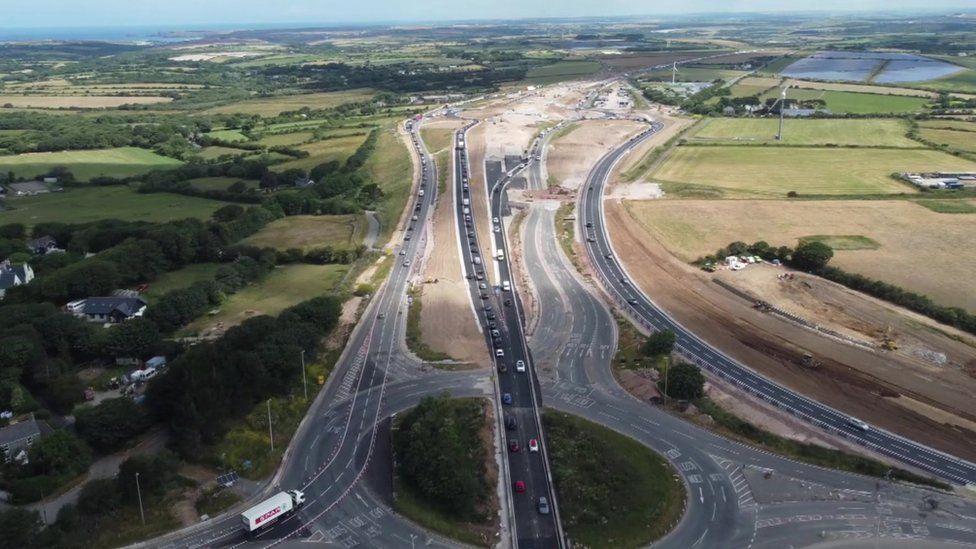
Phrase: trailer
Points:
(269, 511)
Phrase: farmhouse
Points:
(112, 309)
(16, 440)
(42, 245)
(28, 188)
(14, 275)
(942, 180)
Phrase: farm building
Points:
(113, 309)
(942, 180)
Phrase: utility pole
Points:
(270, 431)
(142, 513)
(304, 376)
(667, 362)
(782, 105)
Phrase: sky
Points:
(220, 13)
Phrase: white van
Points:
(500, 255)
(506, 286)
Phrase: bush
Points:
(110, 425)
(660, 343)
(812, 255)
(683, 381)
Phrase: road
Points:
(614, 278)
(731, 503)
(499, 316)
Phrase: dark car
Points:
(492, 325)
(484, 295)
(510, 423)
(589, 224)
(508, 302)
(490, 316)
(513, 446)
(496, 340)
(507, 398)
(502, 367)
(632, 301)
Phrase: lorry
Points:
(269, 511)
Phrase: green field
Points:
(857, 103)
(391, 168)
(228, 135)
(886, 133)
(613, 491)
(273, 106)
(310, 231)
(282, 288)
(180, 278)
(694, 74)
(437, 139)
(83, 205)
(287, 139)
(120, 162)
(949, 206)
(950, 124)
(562, 70)
(769, 172)
(216, 151)
(953, 139)
(320, 152)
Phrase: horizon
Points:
(300, 14)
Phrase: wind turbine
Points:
(782, 105)
(674, 72)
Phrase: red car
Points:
(519, 486)
(533, 445)
(513, 446)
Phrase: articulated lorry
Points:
(269, 511)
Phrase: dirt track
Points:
(447, 322)
(775, 347)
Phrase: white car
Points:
(498, 229)
(520, 366)
(854, 422)
(406, 263)
(495, 220)
(499, 352)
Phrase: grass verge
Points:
(624, 495)
(414, 337)
(734, 427)
(948, 206)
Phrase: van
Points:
(466, 202)
(500, 255)
(506, 286)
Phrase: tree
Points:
(660, 343)
(15, 231)
(98, 497)
(812, 255)
(237, 187)
(684, 382)
(19, 528)
(110, 425)
(269, 180)
(156, 473)
(229, 212)
(135, 338)
(60, 454)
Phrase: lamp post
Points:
(304, 376)
(667, 362)
(142, 513)
(270, 431)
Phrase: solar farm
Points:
(878, 67)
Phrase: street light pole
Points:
(304, 376)
(142, 513)
(270, 431)
(412, 538)
(667, 362)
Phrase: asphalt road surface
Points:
(498, 314)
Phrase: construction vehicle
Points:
(888, 342)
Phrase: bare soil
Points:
(571, 157)
(850, 379)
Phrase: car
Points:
(488, 306)
(498, 229)
(502, 368)
(490, 315)
(624, 281)
(499, 352)
(508, 302)
(469, 276)
(495, 220)
(590, 239)
(589, 224)
(507, 398)
(407, 237)
(513, 446)
(493, 325)
(520, 366)
(608, 256)
(484, 295)
(519, 486)
(403, 251)
(480, 276)
(467, 218)
(495, 333)
(510, 423)
(543, 506)
(483, 286)
(414, 218)
(496, 340)
(632, 301)
(406, 263)
(533, 445)
(381, 315)
(854, 422)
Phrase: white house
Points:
(14, 275)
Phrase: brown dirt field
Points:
(571, 156)
(919, 247)
(775, 347)
(79, 102)
(447, 322)
(476, 144)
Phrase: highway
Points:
(499, 316)
(615, 279)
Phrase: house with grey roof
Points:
(14, 275)
(42, 245)
(110, 309)
(16, 440)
